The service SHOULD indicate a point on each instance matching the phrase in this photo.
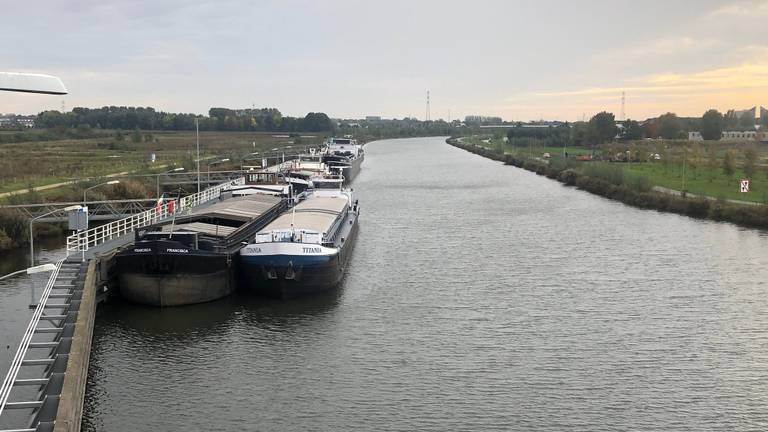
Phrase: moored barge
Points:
(306, 249)
(189, 259)
(344, 155)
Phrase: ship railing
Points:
(85, 240)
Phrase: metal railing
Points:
(97, 210)
(21, 352)
(84, 240)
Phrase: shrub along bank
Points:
(614, 183)
(14, 225)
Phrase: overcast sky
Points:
(556, 59)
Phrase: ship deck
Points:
(316, 214)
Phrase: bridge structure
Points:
(108, 210)
(97, 210)
(207, 178)
(48, 375)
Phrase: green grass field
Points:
(703, 180)
(37, 163)
(702, 176)
(523, 148)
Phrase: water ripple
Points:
(479, 297)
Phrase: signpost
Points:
(744, 185)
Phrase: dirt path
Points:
(678, 193)
(57, 185)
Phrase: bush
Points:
(5, 241)
(609, 172)
(568, 177)
(637, 183)
(127, 189)
(14, 225)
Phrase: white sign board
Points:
(78, 219)
(744, 185)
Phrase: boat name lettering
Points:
(311, 250)
(143, 250)
(177, 250)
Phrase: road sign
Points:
(744, 185)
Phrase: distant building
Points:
(733, 136)
(373, 118)
(15, 121)
(746, 118)
(750, 112)
(529, 125)
(484, 120)
(26, 121)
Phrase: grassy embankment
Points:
(42, 162)
(694, 167)
(612, 181)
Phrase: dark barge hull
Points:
(188, 267)
(161, 278)
(278, 280)
(349, 172)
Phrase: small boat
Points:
(307, 248)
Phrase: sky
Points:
(521, 60)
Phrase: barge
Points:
(189, 259)
(307, 248)
(344, 155)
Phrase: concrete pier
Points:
(70, 412)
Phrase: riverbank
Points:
(628, 188)
(35, 167)
(707, 169)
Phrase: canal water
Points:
(16, 294)
(479, 297)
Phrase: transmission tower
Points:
(623, 115)
(427, 117)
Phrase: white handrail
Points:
(21, 352)
(85, 240)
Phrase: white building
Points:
(733, 136)
(26, 121)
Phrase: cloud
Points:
(743, 9)
(687, 93)
(745, 76)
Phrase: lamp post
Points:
(685, 158)
(166, 172)
(31, 271)
(197, 140)
(32, 237)
(111, 182)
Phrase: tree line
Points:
(603, 127)
(218, 119)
